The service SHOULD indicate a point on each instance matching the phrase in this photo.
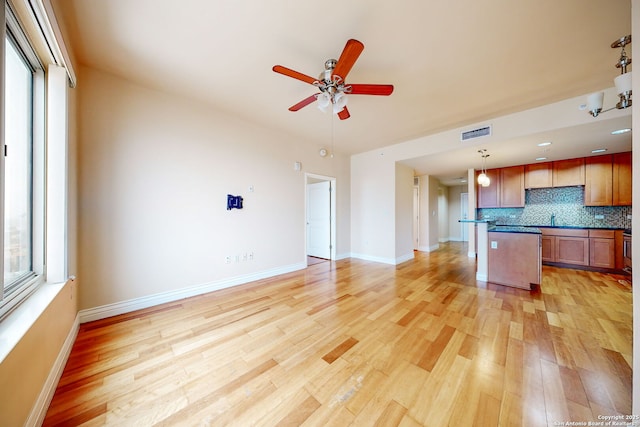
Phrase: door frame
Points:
(310, 178)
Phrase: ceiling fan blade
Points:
(348, 57)
(366, 89)
(295, 74)
(344, 114)
(304, 102)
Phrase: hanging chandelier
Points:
(622, 82)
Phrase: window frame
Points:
(11, 297)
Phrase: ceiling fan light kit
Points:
(622, 82)
(331, 82)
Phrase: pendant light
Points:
(483, 179)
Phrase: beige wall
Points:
(154, 173)
(27, 368)
(24, 372)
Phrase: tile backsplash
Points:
(566, 203)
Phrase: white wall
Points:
(429, 213)
(404, 213)
(154, 173)
(443, 214)
(455, 228)
(373, 208)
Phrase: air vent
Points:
(475, 133)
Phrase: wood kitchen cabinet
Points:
(622, 179)
(568, 173)
(506, 189)
(538, 175)
(512, 187)
(602, 248)
(598, 188)
(572, 250)
(548, 244)
(598, 248)
(489, 197)
(565, 245)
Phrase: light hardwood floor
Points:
(361, 343)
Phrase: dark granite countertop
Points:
(575, 227)
(515, 229)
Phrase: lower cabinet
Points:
(602, 248)
(572, 250)
(591, 248)
(548, 244)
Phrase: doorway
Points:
(320, 217)
(464, 214)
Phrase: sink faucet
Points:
(553, 219)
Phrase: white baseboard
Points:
(429, 248)
(366, 257)
(122, 307)
(39, 410)
(405, 258)
(392, 261)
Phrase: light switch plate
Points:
(494, 244)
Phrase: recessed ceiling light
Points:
(599, 150)
(541, 158)
(620, 131)
(544, 144)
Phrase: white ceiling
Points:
(452, 63)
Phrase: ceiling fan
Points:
(331, 82)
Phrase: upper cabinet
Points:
(489, 197)
(606, 180)
(568, 173)
(598, 188)
(538, 175)
(622, 179)
(506, 189)
(512, 187)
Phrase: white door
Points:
(464, 214)
(319, 219)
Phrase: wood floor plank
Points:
(356, 343)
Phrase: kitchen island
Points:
(514, 256)
(508, 255)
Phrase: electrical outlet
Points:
(228, 260)
(629, 216)
(250, 256)
(494, 244)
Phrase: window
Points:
(21, 171)
(18, 182)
